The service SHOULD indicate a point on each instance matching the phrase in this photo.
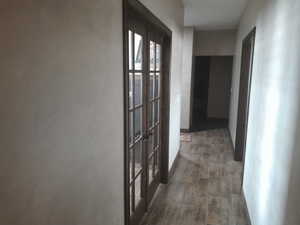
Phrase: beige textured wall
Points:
(204, 43)
(61, 107)
(213, 43)
(187, 69)
(170, 12)
(272, 169)
(61, 110)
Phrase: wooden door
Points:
(153, 97)
(244, 95)
(200, 87)
(143, 156)
(137, 114)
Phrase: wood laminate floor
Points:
(206, 186)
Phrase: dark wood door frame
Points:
(191, 114)
(142, 13)
(244, 95)
(200, 78)
(202, 68)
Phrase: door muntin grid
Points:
(154, 100)
(136, 126)
(144, 98)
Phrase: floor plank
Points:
(205, 188)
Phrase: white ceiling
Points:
(213, 14)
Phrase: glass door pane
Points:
(144, 126)
(136, 126)
(153, 112)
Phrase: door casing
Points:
(244, 95)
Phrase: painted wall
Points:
(61, 110)
(272, 168)
(219, 87)
(187, 68)
(205, 43)
(214, 43)
(170, 12)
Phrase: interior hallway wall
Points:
(170, 12)
(272, 172)
(61, 110)
(61, 99)
(187, 71)
(215, 43)
(205, 43)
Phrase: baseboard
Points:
(246, 209)
(185, 130)
(174, 165)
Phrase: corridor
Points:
(205, 188)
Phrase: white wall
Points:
(272, 169)
(61, 110)
(170, 12)
(214, 43)
(205, 43)
(187, 63)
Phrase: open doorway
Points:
(211, 92)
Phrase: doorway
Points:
(211, 92)
(146, 71)
(244, 95)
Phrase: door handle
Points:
(146, 136)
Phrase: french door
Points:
(144, 116)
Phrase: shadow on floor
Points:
(209, 124)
